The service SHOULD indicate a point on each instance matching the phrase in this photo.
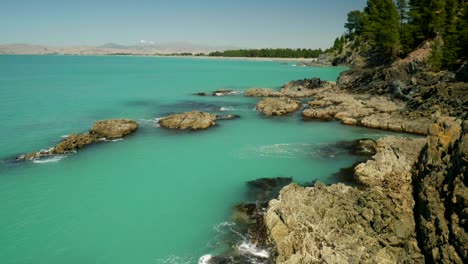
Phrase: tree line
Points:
(395, 28)
(270, 53)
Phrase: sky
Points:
(234, 23)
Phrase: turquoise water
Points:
(157, 196)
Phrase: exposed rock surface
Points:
(73, 142)
(365, 110)
(302, 88)
(278, 106)
(423, 91)
(104, 129)
(342, 224)
(113, 128)
(441, 193)
(262, 92)
(193, 120)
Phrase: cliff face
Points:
(412, 206)
(342, 224)
(441, 193)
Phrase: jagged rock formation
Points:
(294, 89)
(342, 224)
(101, 130)
(441, 193)
(366, 110)
(278, 106)
(193, 120)
(424, 92)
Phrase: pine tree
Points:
(402, 7)
(382, 26)
(426, 18)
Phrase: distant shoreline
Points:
(307, 61)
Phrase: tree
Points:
(382, 26)
(402, 7)
(354, 25)
(426, 18)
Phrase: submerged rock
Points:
(219, 92)
(227, 117)
(189, 120)
(265, 189)
(262, 92)
(278, 106)
(107, 129)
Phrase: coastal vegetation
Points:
(270, 53)
(396, 28)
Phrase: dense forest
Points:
(395, 28)
(270, 53)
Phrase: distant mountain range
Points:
(142, 48)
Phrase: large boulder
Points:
(278, 106)
(189, 120)
(113, 128)
(262, 92)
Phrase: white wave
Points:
(154, 121)
(227, 108)
(64, 136)
(175, 260)
(294, 65)
(205, 259)
(49, 159)
(252, 249)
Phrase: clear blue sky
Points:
(240, 23)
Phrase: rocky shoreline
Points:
(408, 203)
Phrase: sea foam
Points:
(252, 249)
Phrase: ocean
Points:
(157, 196)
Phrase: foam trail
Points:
(48, 160)
(252, 249)
(227, 108)
(205, 259)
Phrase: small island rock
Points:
(189, 120)
(278, 106)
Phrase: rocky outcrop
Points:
(73, 142)
(101, 130)
(365, 110)
(278, 106)
(441, 194)
(342, 224)
(302, 88)
(424, 92)
(193, 120)
(113, 128)
(262, 92)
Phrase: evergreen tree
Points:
(354, 24)
(426, 18)
(382, 26)
(402, 7)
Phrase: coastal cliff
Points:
(411, 199)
